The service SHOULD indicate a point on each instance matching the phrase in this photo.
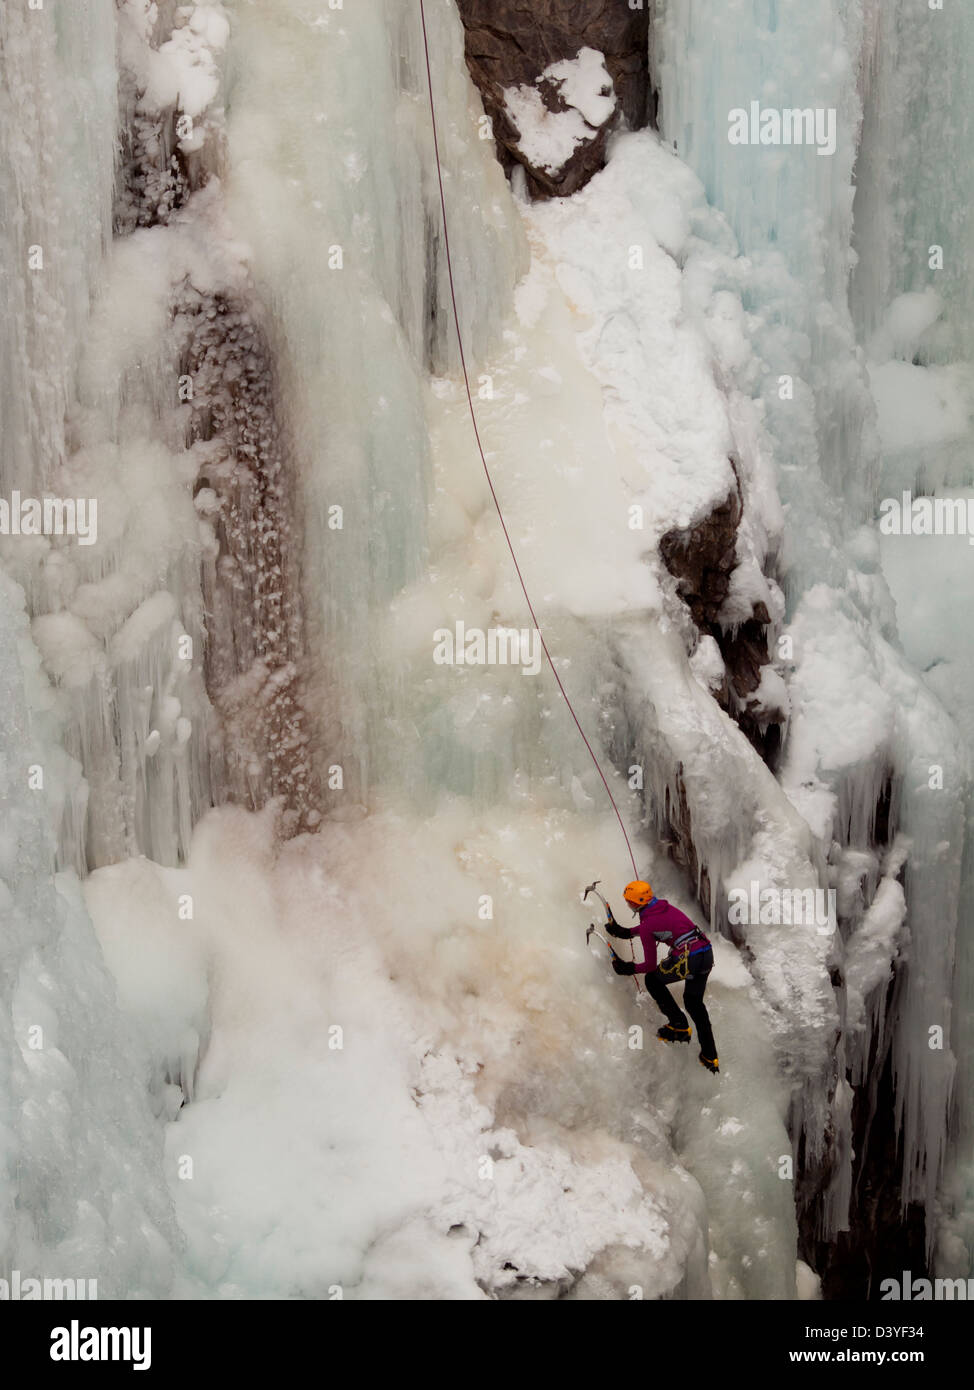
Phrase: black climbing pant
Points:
(700, 965)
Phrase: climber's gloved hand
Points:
(623, 967)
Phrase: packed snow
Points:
(548, 138)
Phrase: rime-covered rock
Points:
(515, 51)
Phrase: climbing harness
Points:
(677, 963)
(676, 967)
(483, 456)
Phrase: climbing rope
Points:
(483, 457)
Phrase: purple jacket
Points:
(660, 921)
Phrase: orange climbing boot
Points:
(710, 1063)
(670, 1034)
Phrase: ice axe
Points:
(594, 931)
(592, 888)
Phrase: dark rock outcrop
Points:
(255, 650)
(676, 836)
(510, 43)
(702, 560)
(884, 1236)
(157, 174)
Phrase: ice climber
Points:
(690, 957)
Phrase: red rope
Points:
(483, 457)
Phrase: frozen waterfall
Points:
(296, 995)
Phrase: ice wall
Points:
(84, 1182)
(792, 210)
(336, 195)
(56, 170)
(911, 294)
(914, 173)
(85, 1193)
(175, 639)
(380, 431)
(284, 253)
(86, 337)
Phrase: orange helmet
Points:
(638, 893)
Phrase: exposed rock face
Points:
(164, 157)
(255, 656)
(884, 1237)
(676, 834)
(702, 560)
(510, 43)
(255, 653)
(154, 182)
